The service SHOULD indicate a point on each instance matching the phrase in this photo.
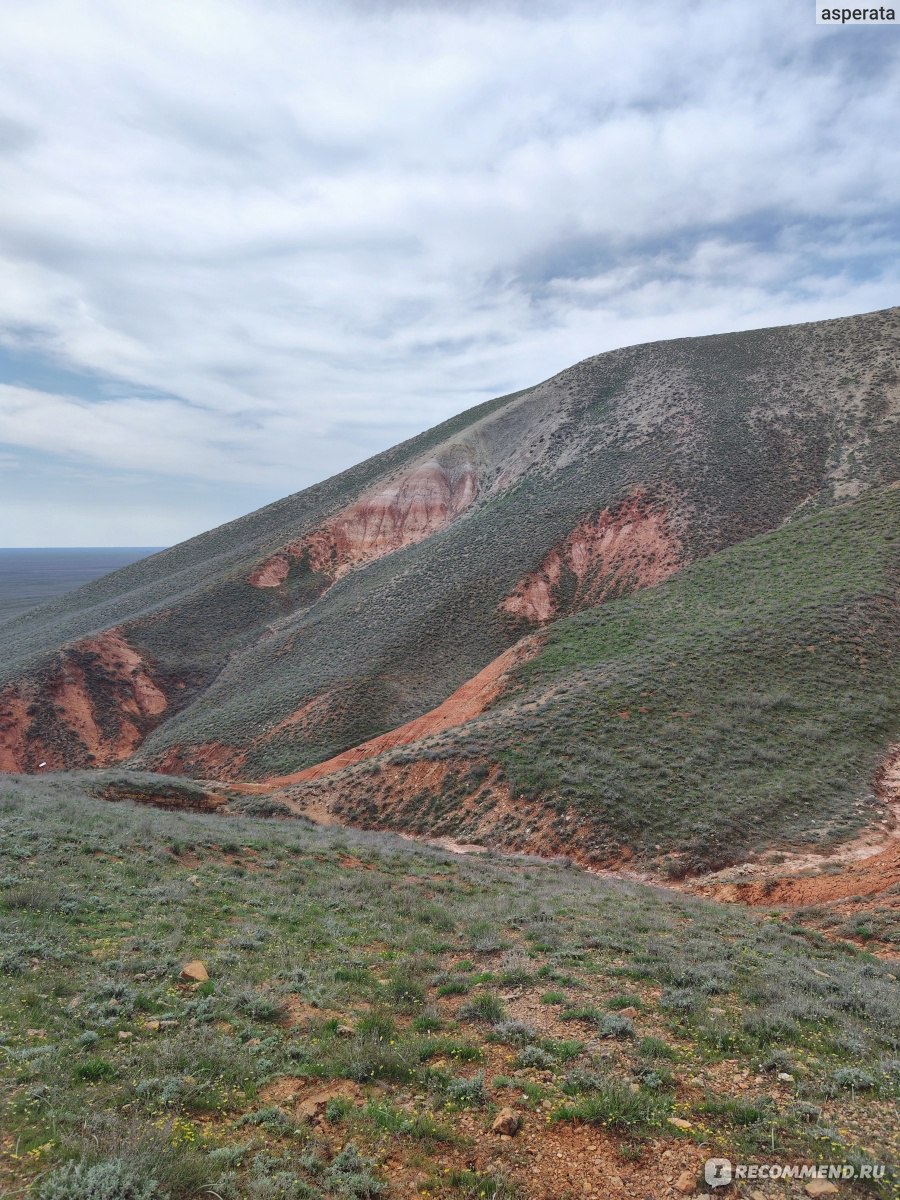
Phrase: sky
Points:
(248, 243)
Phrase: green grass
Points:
(182, 1098)
(741, 705)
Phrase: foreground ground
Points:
(374, 1005)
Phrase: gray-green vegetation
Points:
(325, 957)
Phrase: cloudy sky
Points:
(246, 243)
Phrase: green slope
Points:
(737, 432)
(744, 703)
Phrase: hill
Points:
(744, 704)
(669, 570)
(374, 1008)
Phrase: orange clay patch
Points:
(624, 548)
(466, 702)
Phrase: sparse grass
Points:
(185, 1090)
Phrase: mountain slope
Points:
(350, 609)
(745, 704)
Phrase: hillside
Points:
(384, 1019)
(670, 571)
(746, 703)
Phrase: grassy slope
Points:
(744, 703)
(737, 431)
(106, 1056)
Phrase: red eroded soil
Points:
(174, 799)
(628, 546)
(403, 512)
(865, 878)
(91, 706)
(466, 702)
(206, 760)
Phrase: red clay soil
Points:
(52, 721)
(865, 878)
(403, 512)
(626, 547)
(466, 702)
(205, 760)
(490, 817)
(218, 761)
(887, 779)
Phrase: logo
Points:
(717, 1172)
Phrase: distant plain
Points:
(29, 577)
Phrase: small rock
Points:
(344, 1031)
(311, 1110)
(758, 1196)
(679, 1122)
(195, 972)
(507, 1121)
(36, 1033)
(686, 1182)
(820, 1187)
(124, 1035)
(634, 1087)
(153, 1026)
(630, 1011)
(785, 1077)
(170, 1024)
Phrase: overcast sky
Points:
(246, 243)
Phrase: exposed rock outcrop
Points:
(399, 514)
(91, 705)
(628, 546)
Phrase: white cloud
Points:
(311, 229)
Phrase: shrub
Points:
(679, 1000)
(452, 985)
(616, 1027)
(513, 1033)
(467, 1093)
(351, 1175)
(853, 1077)
(258, 1007)
(651, 1047)
(109, 1180)
(92, 1070)
(483, 1007)
(534, 1056)
(406, 992)
(428, 1021)
(615, 1106)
